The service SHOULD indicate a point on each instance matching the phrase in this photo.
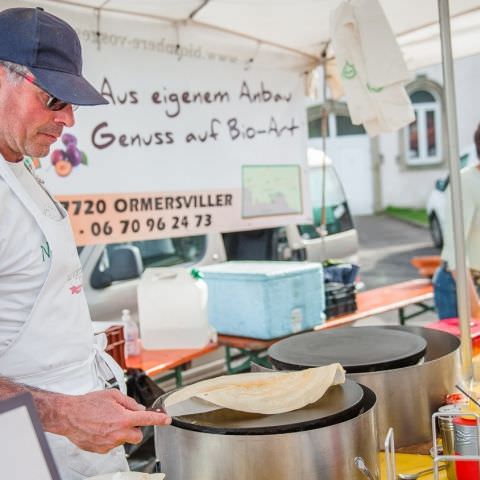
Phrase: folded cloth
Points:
(372, 68)
(344, 273)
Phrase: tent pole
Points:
(463, 300)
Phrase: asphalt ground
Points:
(386, 247)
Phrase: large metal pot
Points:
(326, 453)
(409, 395)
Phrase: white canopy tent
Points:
(293, 34)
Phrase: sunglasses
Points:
(53, 103)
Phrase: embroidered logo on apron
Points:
(75, 281)
(46, 251)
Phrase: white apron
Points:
(56, 350)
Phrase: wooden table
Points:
(156, 362)
(380, 300)
(371, 302)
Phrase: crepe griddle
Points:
(340, 403)
(357, 349)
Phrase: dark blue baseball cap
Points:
(51, 50)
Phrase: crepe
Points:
(263, 392)
(129, 476)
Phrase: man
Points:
(444, 280)
(47, 345)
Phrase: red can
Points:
(466, 443)
(456, 399)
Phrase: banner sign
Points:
(188, 143)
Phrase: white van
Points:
(437, 200)
(112, 272)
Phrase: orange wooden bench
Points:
(426, 265)
(371, 302)
(152, 362)
(155, 362)
(380, 300)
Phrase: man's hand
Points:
(97, 421)
(100, 421)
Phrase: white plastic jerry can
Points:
(172, 309)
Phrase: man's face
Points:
(27, 126)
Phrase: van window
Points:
(337, 213)
(166, 252)
(263, 244)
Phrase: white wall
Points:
(401, 186)
(411, 188)
(352, 160)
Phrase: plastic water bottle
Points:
(172, 309)
(132, 343)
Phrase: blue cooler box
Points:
(264, 299)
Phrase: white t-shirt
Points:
(470, 180)
(24, 252)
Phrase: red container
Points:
(116, 344)
(466, 443)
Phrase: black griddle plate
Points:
(340, 403)
(357, 349)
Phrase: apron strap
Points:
(109, 371)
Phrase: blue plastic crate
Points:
(265, 299)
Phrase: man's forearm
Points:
(47, 403)
(96, 421)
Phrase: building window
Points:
(338, 125)
(315, 128)
(423, 139)
(344, 126)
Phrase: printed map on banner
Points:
(187, 145)
(271, 190)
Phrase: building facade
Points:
(399, 168)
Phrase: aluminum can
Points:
(466, 443)
(447, 434)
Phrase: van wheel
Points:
(435, 231)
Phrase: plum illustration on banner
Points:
(63, 168)
(73, 155)
(69, 139)
(65, 160)
(56, 156)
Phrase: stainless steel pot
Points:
(408, 396)
(326, 453)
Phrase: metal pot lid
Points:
(357, 349)
(340, 403)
